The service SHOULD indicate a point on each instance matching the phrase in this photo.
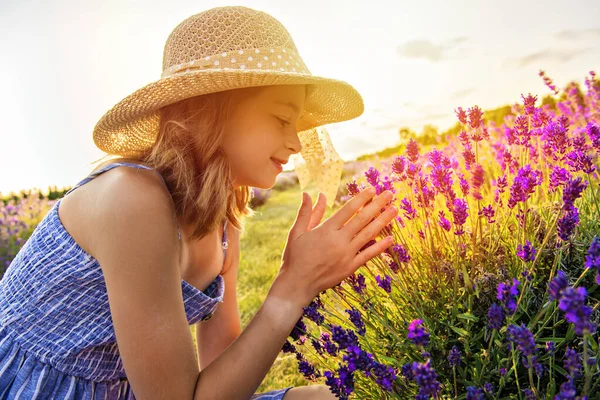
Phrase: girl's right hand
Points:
(316, 259)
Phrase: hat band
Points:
(276, 59)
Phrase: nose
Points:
(293, 142)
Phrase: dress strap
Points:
(117, 164)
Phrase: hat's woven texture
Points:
(227, 48)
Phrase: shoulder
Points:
(130, 203)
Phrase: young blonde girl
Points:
(97, 304)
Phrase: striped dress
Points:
(56, 335)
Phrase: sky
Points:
(65, 63)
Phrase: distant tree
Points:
(406, 134)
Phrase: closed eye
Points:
(283, 122)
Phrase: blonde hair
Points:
(195, 168)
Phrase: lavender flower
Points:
(412, 151)
(495, 316)
(529, 394)
(475, 393)
(550, 347)
(344, 338)
(592, 258)
(358, 359)
(522, 337)
(526, 252)
(508, 296)
(358, 283)
(444, 223)
(384, 283)
(576, 312)
(372, 176)
(559, 176)
(524, 185)
(557, 285)
(572, 363)
(426, 378)
(356, 319)
(572, 191)
(489, 388)
(454, 358)
(401, 253)
(384, 375)
(399, 165)
(417, 334)
(567, 223)
(459, 211)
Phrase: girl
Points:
(97, 304)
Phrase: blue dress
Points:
(56, 335)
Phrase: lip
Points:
(277, 165)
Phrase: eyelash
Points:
(283, 122)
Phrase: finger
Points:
(367, 214)
(350, 208)
(303, 217)
(370, 252)
(318, 211)
(373, 229)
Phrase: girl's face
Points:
(261, 127)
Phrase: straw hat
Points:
(228, 48)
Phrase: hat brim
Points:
(132, 123)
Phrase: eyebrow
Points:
(289, 104)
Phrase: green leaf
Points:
(460, 331)
(468, 316)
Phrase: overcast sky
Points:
(65, 63)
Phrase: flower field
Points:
(490, 290)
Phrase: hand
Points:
(317, 258)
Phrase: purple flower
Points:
(580, 161)
(489, 388)
(567, 391)
(409, 211)
(502, 371)
(550, 347)
(313, 314)
(426, 378)
(358, 283)
(524, 185)
(459, 211)
(372, 176)
(344, 338)
(384, 283)
(399, 165)
(495, 316)
(384, 375)
(594, 134)
(417, 334)
(475, 115)
(329, 346)
(358, 359)
(298, 330)
(572, 363)
(454, 358)
(572, 191)
(529, 394)
(401, 253)
(557, 285)
(555, 139)
(559, 176)
(353, 188)
(444, 223)
(412, 151)
(288, 347)
(461, 115)
(567, 223)
(508, 296)
(475, 393)
(592, 258)
(529, 103)
(487, 212)
(526, 252)
(356, 319)
(477, 181)
(306, 369)
(572, 303)
(522, 337)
